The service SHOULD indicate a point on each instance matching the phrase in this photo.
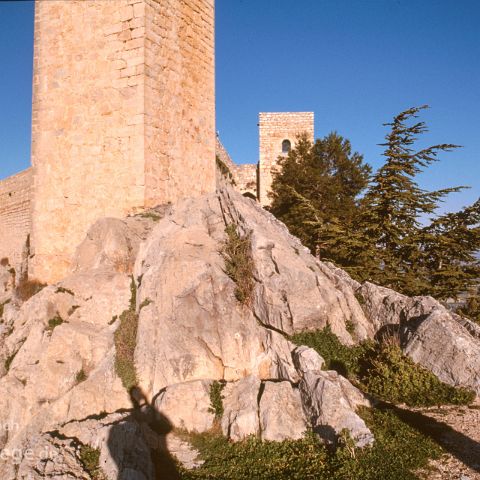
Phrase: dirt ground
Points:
(457, 429)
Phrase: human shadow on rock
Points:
(138, 444)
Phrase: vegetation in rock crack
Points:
(9, 360)
(151, 215)
(28, 288)
(224, 170)
(4, 262)
(53, 323)
(392, 457)
(125, 342)
(216, 399)
(81, 376)
(90, 459)
(384, 229)
(64, 290)
(237, 253)
(2, 306)
(381, 370)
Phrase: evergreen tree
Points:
(381, 238)
(315, 192)
(395, 205)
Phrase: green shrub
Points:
(391, 376)
(216, 399)
(399, 450)
(53, 323)
(90, 459)
(237, 253)
(345, 360)
(125, 338)
(383, 371)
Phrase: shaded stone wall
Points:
(274, 128)
(246, 178)
(123, 114)
(15, 215)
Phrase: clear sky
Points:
(355, 63)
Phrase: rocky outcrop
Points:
(59, 385)
(445, 347)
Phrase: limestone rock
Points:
(187, 405)
(112, 243)
(281, 413)
(293, 292)
(240, 417)
(307, 359)
(442, 345)
(330, 402)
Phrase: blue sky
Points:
(355, 63)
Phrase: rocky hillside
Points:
(166, 313)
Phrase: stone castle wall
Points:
(123, 114)
(15, 215)
(244, 175)
(274, 128)
(246, 178)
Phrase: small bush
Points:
(28, 288)
(151, 215)
(53, 323)
(393, 377)
(125, 342)
(383, 371)
(216, 399)
(237, 253)
(4, 262)
(90, 459)
(345, 360)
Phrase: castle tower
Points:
(278, 134)
(123, 115)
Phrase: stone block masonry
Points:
(15, 215)
(278, 133)
(123, 115)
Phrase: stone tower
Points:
(123, 115)
(278, 134)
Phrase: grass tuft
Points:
(53, 323)
(90, 459)
(125, 343)
(237, 253)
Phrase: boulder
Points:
(330, 402)
(187, 405)
(281, 413)
(445, 347)
(307, 359)
(240, 417)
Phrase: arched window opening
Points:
(286, 146)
